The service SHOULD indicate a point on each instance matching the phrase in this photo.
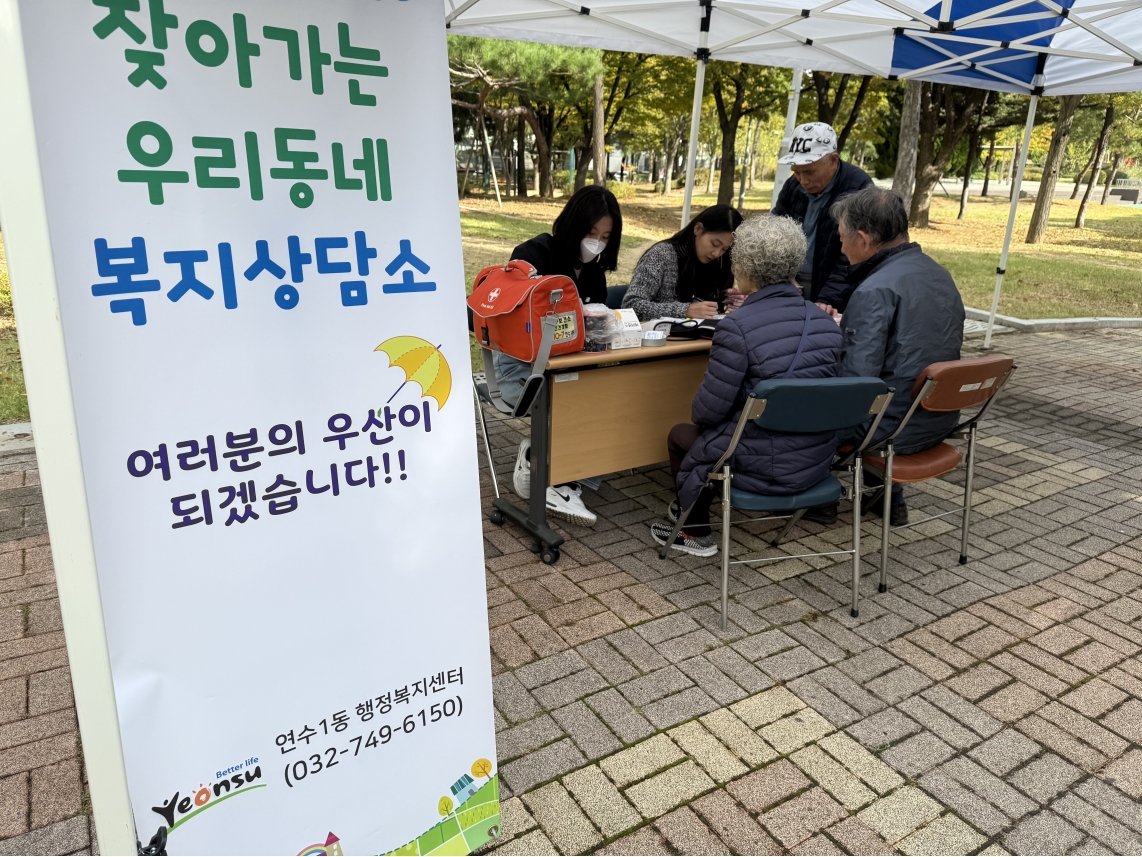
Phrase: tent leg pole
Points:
(782, 171)
(695, 120)
(1018, 182)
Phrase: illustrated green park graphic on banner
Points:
(252, 209)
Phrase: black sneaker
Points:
(897, 514)
(693, 545)
(826, 515)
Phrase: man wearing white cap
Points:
(819, 179)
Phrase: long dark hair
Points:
(698, 282)
(583, 210)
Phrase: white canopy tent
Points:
(1034, 47)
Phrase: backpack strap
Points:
(801, 344)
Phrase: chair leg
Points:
(487, 443)
(886, 514)
(685, 513)
(967, 497)
(858, 488)
(725, 548)
(800, 513)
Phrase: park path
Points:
(989, 708)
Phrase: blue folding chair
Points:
(799, 406)
(615, 295)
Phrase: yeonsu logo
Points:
(181, 809)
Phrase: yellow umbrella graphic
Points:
(423, 363)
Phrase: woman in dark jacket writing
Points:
(758, 342)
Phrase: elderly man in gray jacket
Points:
(905, 314)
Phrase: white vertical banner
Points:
(253, 224)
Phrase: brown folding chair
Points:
(955, 385)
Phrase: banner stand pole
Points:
(35, 297)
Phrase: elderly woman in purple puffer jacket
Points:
(775, 333)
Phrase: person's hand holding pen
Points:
(702, 309)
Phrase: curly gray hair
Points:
(768, 250)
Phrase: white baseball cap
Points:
(811, 142)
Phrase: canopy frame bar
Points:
(1095, 31)
(1018, 84)
(703, 56)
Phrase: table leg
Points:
(534, 520)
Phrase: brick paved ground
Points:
(44, 807)
(990, 708)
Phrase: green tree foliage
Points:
(539, 83)
(659, 120)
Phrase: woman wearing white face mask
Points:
(583, 245)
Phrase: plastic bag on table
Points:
(600, 327)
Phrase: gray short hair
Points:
(768, 250)
(876, 211)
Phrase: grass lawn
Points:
(1096, 271)
(13, 399)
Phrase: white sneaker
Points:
(565, 501)
(521, 478)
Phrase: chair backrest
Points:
(962, 384)
(812, 405)
(615, 295)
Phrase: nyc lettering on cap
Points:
(811, 142)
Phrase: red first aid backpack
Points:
(509, 303)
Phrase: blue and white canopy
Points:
(1045, 47)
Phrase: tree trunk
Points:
(905, 176)
(1013, 168)
(671, 156)
(598, 134)
(827, 110)
(745, 163)
(1100, 153)
(854, 114)
(753, 154)
(1111, 176)
(582, 163)
(1082, 172)
(521, 158)
(710, 174)
(729, 117)
(726, 179)
(987, 171)
(1059, 139)
(969, 168)
(930, 165)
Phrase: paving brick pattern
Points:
(991, 708)
(44, 805)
